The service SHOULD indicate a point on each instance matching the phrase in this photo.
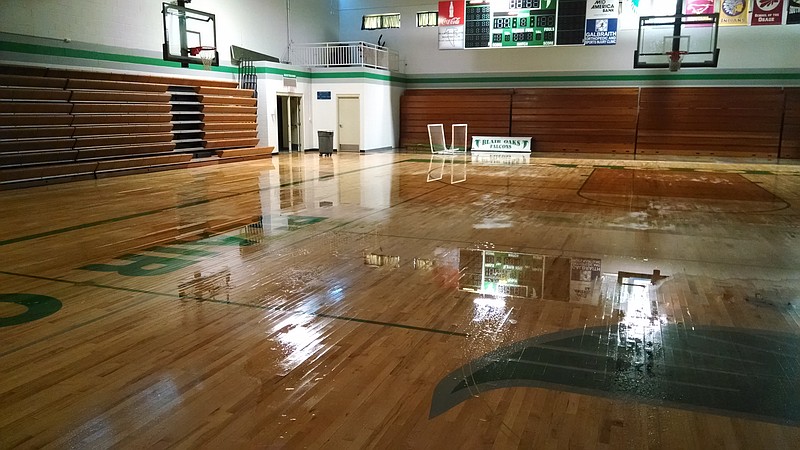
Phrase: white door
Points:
(349, 112)
(296, 124)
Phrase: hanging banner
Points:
(767, 12)
(451, 24)
(793, 12)
(629, 15)
(656, 8)
(601, 22)
(733, 13)
(698, 7)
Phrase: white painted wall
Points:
(760, 47)
(264, 26)
(380, 106)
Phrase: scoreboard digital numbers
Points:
(510, 23)
(478, 25)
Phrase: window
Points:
(427, 19)
(378, 21)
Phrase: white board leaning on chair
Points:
(501, 144)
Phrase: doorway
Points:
(349, 113)
(290, 123)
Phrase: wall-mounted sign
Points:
(323, 95)
(601, 22)
(733, 13)
(501, 144)
(793, 11)
(451, 24)
(767, 12)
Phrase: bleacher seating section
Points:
(61, 125)
(753, 122)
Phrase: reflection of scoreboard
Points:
(510, 24)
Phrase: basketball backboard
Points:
(662, 38)
(186, 29)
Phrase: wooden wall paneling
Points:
(582, 120)
(486, 111)
(790, 134)
(707, 121)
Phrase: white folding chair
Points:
(458, 147)
(439, 150)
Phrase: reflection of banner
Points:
(767, 12)
(698, 7)
(601, 22)
(733, 13)
(793, 11)
(451, 24)
(583, 277)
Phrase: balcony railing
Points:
(345, 54)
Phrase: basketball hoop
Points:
(206, 55)
(675, 58)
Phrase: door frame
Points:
(289, 96)
(347, 147)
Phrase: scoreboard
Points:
(510, 23)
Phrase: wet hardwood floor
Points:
(346, 302)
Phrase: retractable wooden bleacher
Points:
(61, 125)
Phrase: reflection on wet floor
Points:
(346, 302)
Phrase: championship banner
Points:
(733, 13)
(601, 22)
(793, 12)
(452, 19)
(767, 12)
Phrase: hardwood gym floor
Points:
(345, 302)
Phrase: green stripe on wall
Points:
(411, 80)
(603, 78)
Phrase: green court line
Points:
(758, 172)
(681, 169)
(170, 208)
(239, 304)
(566, 165)
(609, 167)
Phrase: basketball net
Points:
(675, 59)
(207, 57)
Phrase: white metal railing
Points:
(345, 54)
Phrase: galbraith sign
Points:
(501, 144)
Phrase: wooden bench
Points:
(244, 152)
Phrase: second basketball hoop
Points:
(674, 58)
(206, 54)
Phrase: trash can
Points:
(325, 142)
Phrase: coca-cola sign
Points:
(451, 13)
